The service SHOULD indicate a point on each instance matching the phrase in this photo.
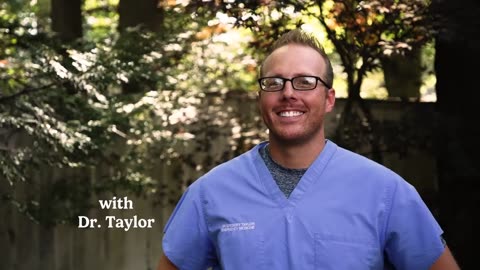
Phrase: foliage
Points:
(361, 31)
(62, 106)
(111, 105)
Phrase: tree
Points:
(61, 107)
(457, 144)
(364, 32)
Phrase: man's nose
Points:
(288, 90)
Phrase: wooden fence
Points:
(26, 245)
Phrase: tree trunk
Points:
(403, 75)
(67, 19)
(140, 12)
(458, 141)
(145, 13)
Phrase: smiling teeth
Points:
(290, 113)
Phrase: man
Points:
(299, 201)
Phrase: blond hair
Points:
(298, 36)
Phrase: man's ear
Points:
(330, 100)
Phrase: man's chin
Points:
(288, 138)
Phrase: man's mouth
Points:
(290, 113)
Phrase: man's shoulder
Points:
(242, 164)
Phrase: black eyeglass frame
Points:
(284, 80)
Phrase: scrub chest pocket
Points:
(244, 249)
(336, 253)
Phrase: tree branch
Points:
(25, 91)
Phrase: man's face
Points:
(292, 116)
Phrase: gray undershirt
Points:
(287, 179)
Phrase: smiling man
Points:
(299, 201)
(294, 109)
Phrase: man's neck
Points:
(295, 156)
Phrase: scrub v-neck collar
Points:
(312, 174)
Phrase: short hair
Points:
(298, 36)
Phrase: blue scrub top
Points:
(347, 212)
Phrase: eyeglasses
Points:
(300, 83)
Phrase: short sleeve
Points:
(186, 241)
(413, 236)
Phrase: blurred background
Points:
(138, 98)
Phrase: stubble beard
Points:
(297, 138)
